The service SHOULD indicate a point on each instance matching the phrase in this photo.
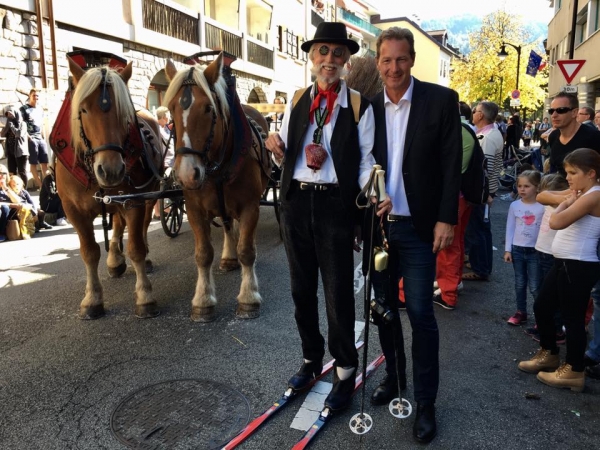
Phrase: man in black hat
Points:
(326, 156)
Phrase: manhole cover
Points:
(180, 414)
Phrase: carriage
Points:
(113, 165)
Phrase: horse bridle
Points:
(185, 101)
(105, 104)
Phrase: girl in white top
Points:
(575, 271)
(522, 228)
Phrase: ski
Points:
(326, 413)
(287, 396)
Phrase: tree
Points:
(471, 75)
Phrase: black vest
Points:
(344, 146)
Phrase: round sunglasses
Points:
(337, 52)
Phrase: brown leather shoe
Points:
(542, 361)
(564, 377)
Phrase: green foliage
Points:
(470, 76)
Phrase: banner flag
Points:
(533, 64)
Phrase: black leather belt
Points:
(303, 186)
(397, 218)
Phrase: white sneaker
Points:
(438, 291)
(61, 222)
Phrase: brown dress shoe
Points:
(564, 377)
(542, 361)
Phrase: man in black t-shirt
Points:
(569, 135)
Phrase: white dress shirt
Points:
(396, 123)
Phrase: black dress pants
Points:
(318, 233)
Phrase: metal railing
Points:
(363, 24)
(219, 39)
(163, 19)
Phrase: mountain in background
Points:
(459, 27)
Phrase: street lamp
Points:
(492, 80)
(502, 55)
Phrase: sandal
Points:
(472, 276)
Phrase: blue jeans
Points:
(478, 242)
(593, 350)
(413, 259)
(526, 263)
(4, 212)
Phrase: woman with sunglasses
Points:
(568, 134)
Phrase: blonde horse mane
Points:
(220, 89)
(88, 83)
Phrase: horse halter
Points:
(185, 101)
(105, 104)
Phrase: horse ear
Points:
(76, 70)
(170, 69)
(125, 74)
(213, 71)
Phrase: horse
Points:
(218, 179)
(119, 151)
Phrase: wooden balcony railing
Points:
(219, 39)
(260, 55)
(169, 21)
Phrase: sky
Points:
(436, 9)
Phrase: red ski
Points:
(326, 413)
(288, 395)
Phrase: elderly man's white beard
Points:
(329, 79)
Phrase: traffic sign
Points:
(515, 102)
(570, 67)
(570, 89)
(515, 94)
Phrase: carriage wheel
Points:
(171, 215)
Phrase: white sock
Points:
(344, 373)
(307, 361)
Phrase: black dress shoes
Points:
(424, 429)
(341, 393)
(386, 391)
(307, 373)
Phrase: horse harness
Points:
(220, 173)
(132, 151)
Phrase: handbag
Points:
(13, 231)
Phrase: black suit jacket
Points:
(432, 155)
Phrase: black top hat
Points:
(333, 32)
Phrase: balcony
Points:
(169, 21)
(219, 39)
(342, 14)
(259, 54)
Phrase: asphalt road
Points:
(61, 378)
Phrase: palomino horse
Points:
(218, 178)
(117, 158)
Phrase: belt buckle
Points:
(303, 186)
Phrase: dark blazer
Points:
(432, 155)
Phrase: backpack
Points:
(474, 183)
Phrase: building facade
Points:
(586, 44)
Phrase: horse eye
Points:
(83, 111)
(208, 108)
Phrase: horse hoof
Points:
(229, 264)
(203, 314)
(247, 311)
(147, 311)
(116, 272)
(149, 266)
(91, 312)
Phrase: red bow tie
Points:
(330, 95)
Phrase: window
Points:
(582, 25)
(288, 42)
